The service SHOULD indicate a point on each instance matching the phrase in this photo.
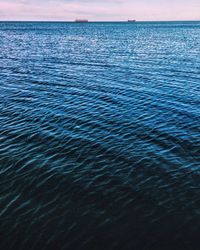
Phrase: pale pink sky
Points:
(63, 10)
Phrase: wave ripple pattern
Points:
(100, 136)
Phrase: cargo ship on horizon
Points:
(131, 20)
(81, 21)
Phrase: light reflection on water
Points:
(99, 135)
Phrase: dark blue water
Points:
(100, 136)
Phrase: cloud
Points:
(99, 10)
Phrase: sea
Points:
(100, 136)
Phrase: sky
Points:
(99, 10)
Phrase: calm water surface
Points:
(100, 136)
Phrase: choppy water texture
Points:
(100, 136)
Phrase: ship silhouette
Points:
(81, 21)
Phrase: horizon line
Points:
(103, 21)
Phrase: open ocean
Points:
(100, 136)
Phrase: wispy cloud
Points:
(99, 10)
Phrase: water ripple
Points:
(100, 136)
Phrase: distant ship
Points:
(131, 21)
(81, 21)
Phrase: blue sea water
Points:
(100, 136)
